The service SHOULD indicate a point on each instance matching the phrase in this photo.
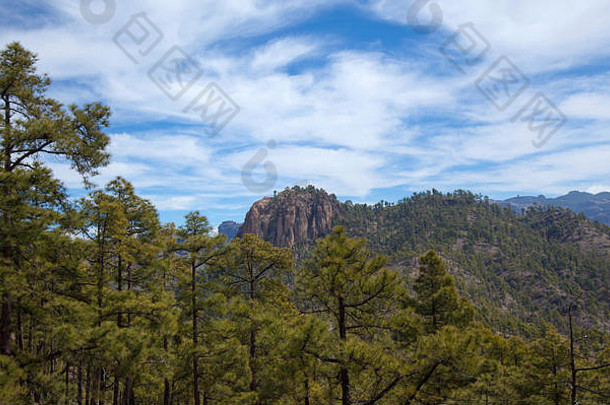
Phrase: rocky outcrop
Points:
(294, 216)
(229, 228)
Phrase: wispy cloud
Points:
(354, 119)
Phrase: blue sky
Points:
(355, 100)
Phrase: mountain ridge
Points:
(594, 206)
(517, 269)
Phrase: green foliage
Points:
(355, 292)
(437, 297)
(515, 269)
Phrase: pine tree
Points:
(197, 249)
(36, 281)
(346, 282)
(131, 305)
(253, 269)
(32, 126)
(436, 295)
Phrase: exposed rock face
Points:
(229, 228)
(297, 215)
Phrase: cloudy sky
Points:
(500, 97)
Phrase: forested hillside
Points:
(517, 269)
(526, 267)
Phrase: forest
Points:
(519, 269)
(103, 304)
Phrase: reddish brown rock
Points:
(294, 216)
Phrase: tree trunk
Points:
(556, 394)
(252, 343)
(88, 386)
(5, 325)
(67, 381)
(132, 394)
(421, 383)
(95, 388)
(19, 330)
(306, 401)
(167, 386)
(100, 302)
(166, 398)
(117, 381)
(102, 394)
(128, 289)
(79, 392)
(166, 389)
(115, 391)
(52, 366)
(5, 318)
(119, 288)
(128, 393)
(196, 395)
(31, 334)
(343, 372)
(252, 354)
(573, 370)
(100, 276)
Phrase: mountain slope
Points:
(517, 269)
(594, 206)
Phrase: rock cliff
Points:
(294, 216)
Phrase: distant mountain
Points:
(519, 270)
(229, 228)
(595, 206)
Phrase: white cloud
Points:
(280, 53)
(355, 101)
(540, 35)
(341, 171)
(354, 121)
(598, 188)
(164, 202)
(180, 150)
(588, 106)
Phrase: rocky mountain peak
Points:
(229, 228)
(295, 215)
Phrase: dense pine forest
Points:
(519, 269)
(103, 304)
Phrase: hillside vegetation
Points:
(526, 267)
